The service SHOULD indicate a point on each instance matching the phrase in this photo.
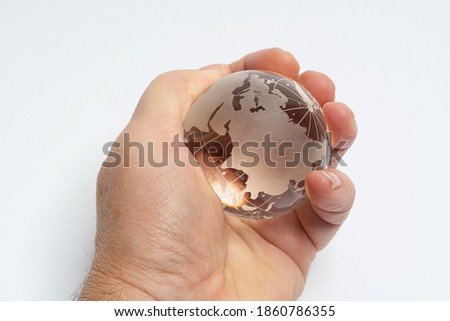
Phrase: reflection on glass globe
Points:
(256, 136)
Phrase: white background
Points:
(71, 73)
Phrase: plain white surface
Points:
(71, 73)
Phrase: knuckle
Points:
(168, 76)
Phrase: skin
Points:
(162, 233)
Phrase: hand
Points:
(162, 233)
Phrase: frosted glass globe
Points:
(256, 136)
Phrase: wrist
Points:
(99, 286)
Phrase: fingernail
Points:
(333, 178)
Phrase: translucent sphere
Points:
(256, 136)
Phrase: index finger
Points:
(272, 59)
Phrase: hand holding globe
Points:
(162, 233)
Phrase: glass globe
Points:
(256, 135)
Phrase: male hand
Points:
(162, 233)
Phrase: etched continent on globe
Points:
(256, 136)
